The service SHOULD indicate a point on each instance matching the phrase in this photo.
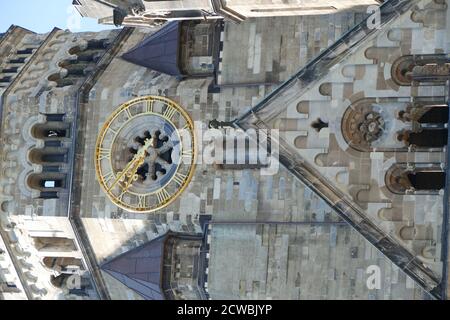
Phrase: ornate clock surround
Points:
(145, 154)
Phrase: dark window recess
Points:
(57, 133)
(25, 51)
(75, 70)
(18, 60)
(78, 292)
(54, 158)
(50, 169)
(51, 184)
(97, 44)
(53, 143)
(427, 180)
(49, 195)
(55, 117)
(5, 79)
(88, 56)
(435, 115)
(429, 138)
(118, 16)
(10, 70)
(65, 82)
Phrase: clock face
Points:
(145, 154)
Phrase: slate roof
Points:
(140, 269)
(159, 51)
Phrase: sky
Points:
(42, 16)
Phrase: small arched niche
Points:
(303, 107)
(301, 142)
(47, 181)
(54, 244)
(48, 156)
(400, 179)
(419, 232)
(62, 263)
(51, 130)
(408, 68)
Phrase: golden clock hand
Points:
(127, 168)
(133, 173)
(140, 162)
(140, 155)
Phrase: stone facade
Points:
(44, 75)
(144, 12)
(371, 158)
(267, 236)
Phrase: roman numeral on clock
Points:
(149, 106)
(169, 112)
(187, 153)
(162, 195)
(108, 177)
(104, 153)
(179, 178)
(142, 200)
(127, 110)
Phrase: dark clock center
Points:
(158, 155)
